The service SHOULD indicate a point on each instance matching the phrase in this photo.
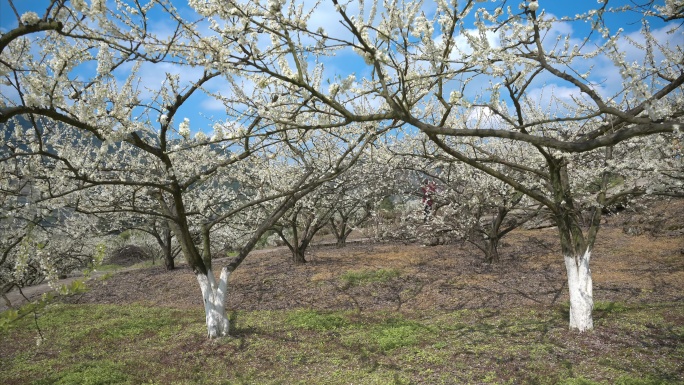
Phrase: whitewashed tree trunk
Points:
(214, 296)
(581, 291)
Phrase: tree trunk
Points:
(340, 232)
(492, 250)
(214, 296)
(576, 246)
(168, 255)
(298, 256)
(341, 242)
(581, 291)
(169, 262)
(296, 247)
(577, 254)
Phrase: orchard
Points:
(215, 124)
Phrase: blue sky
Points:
(200, 110)
(557, 7)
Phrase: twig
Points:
(35, 314)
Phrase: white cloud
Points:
(482, 117)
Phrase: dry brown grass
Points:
(625, 268)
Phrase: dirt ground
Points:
(633, 263)
(628, 269)
(644, 268)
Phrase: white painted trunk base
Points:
(214, 296)
(581, 292)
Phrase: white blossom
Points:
(333, 89)
(455, 97)
(98, 7)
(533, 5)
(184, 128)
(79, 5)
(30, 18)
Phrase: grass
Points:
(314, 320)
(147, 263)
(137, 344)
(638, 337)
(108, 267)
(362, 277)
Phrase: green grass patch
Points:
(628, 380)
(356, 278)
(602, 309)
(92, 373)
(315, 320)
(138, 344)
(579, 381)
(384, 335)
(396, 333)
(607, 307)
(147, 263)
(110, 267)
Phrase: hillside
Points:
(378, 313)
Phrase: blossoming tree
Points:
(466, 73)
(468, 203)
(124, 145)
(44, 236)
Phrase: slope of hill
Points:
(375, 313)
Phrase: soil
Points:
(627, 268)
(128, 255)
